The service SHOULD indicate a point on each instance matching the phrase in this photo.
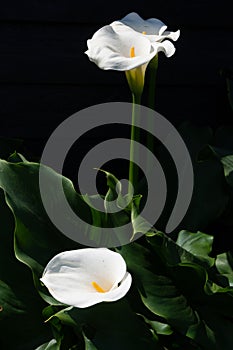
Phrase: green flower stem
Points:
(152, 70)
(135, 136)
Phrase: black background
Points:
(45, 75)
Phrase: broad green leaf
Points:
(37, 240)
(21, 322)
(157, 290)
(199, 244)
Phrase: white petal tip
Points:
(176, 35)
(162, 29)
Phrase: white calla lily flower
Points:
(86, 277)
(129, 45)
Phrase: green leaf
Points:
(37, 240)
(172, 253)
(21, 321)
(198, 243)
(174, 284)
(227, 162)
(224, 266)
(127, 210)
(140, 225)
(158, 292)
(159, 327)
(114, 199)
(10, 304)
(52, 345)
(88, 344)
(65, 332)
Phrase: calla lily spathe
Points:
(88, 276)
(129, 45)
(113, 50)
